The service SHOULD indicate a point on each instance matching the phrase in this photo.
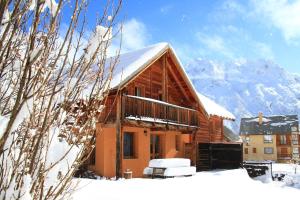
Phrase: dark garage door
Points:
(219, 156)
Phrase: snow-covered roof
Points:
(131, 63)
(280, 124)
(212, 108)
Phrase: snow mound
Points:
(170, 162)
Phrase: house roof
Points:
(214, 109)
(132, 63)
(280, 124)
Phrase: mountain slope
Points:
(247, 87)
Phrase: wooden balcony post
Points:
(188, 117)
(178, 115)
(124, 99)
(118, 138)
(153, 109)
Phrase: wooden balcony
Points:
(158, 112)
(284, 156)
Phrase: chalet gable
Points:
(133, 64)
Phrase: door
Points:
(155, 146)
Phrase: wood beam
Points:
(178, 82)
(118, 138)
(164, 79)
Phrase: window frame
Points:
(254, 150)
(295, 139)
(132, 150)
(283, 141)
(246, 151)
(297, 152)
(268, 141)
(138, 89)
(266, 152)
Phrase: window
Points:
(295, 139)
(125, 92)
(282, 139)
(294, 129)
(246, 150)
(93, 157)
(247, 140)
(268, 139)
(177, 142)
(138, 91)
(160, 97)
(128, 145)
(254, 150)
(268, 150)
(295, 150)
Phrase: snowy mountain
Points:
(247, 87)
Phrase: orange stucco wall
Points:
(106, 149)
(142, 151)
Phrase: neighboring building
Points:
(270, 138)
(152, 111)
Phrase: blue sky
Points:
(219, 30)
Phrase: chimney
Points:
(260, 118)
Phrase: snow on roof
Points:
(212, 108)
(131, 63)
(280, 124)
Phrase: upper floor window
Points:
(125, 92)
(160, 97)
(294, 129)
(268, 139)
(247, 140)
(282, 139)
(246, 150)
(254, 150)
(295, 139)
(138, 91)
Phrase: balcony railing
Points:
(284, 156)
(151, 110)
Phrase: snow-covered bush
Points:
(52, 83)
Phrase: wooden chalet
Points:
(152, 111)
(213, 150)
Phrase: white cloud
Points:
(166, 9)
(215, 43)
(134, 36)
(263, 50)
(231, 42)
(228, 11)
(282, 14)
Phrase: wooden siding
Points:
(202, 135)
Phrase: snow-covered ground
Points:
(229, 184)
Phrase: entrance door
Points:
(155, 146)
